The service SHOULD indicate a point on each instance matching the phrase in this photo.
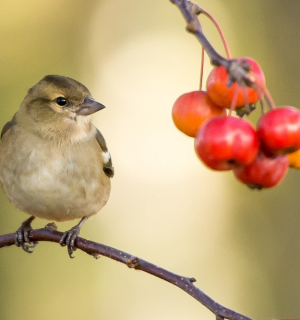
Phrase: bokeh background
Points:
(242, 246)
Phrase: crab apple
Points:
(263, 172)
(222, 93)
(279, 130)
(294, 159)
(191, 109)
(223, 143)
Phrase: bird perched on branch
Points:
(54, 163)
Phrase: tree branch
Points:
(190, 11)
(238, 70)
(49, 233)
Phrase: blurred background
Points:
(242, 246)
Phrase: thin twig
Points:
(190, 12)
(238, 70)
(96, 249)
(221, 33)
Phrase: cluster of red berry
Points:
(258, 157)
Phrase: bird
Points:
(54, 163)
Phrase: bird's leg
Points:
(22, 236)
(69, 237)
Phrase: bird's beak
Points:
(88, 107)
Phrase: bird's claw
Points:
(31, 245)
(22, 236)
(68, 239)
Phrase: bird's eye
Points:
(61, 101)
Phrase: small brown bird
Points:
(54, 163)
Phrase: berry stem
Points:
(201, 68)
(269, 99)
(262, 90)
(245, 96)
(233, 102)
(221, 33)
(262, 106)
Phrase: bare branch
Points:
(49, 233)
(238, 70)
(190, 12)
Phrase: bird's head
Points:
(58, 104)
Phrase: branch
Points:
(238, 70)
(190, 12)
(49, 233)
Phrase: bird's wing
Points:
(7, 126)
(107, 165)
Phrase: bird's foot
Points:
(69, 237)
(22, 236)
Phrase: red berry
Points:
(294, 159)
(263, 172)
(191, 109)
(222, 143)
(279, 130)
(222, 94)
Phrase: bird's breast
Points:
(59, 182)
